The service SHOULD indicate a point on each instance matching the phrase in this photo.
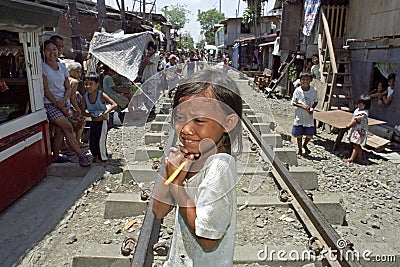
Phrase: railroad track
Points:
(275, 213)
(262, 173)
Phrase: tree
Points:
(207, 21)
(187, 42)
(176, 15)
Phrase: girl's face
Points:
(315, 60)
(91, 86)
(360, 105)
(50, 52)
(391, 83)
(200, 118)
(76, 73)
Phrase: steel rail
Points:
(324, 228)
(151, 226)
(143, 254)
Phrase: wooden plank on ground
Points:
(377, 142)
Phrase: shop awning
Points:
(19, 15)
(264, 38)
(266, 44)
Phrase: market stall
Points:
(24, 136)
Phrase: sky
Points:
(228, 7)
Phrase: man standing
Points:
(276, 57)
(150, 83)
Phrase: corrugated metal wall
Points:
(373, 18)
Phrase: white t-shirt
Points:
(276, 51)
(315, 71)
(150, 70)
(390, 91)
(55, 80)
(213, 192)
(301, 116)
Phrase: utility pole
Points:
(219, 6)
(101, 10)
(144, 10)
(75, 38)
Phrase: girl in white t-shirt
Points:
(206, 118)
(57, 92)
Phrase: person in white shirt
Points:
(151, 83)
(204, 191)
(276, 57)
(305, 99)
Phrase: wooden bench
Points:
(377, 143)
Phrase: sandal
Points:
(84, 161)
(128, 246)
(299, 154)
(145, 194)
(67, 152)
(61, 159)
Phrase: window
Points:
(245, 28)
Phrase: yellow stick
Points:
(175, 173)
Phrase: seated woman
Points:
(57, 91)
(384, 96)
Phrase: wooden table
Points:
(339, 119)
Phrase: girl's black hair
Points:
(366, 100)
(91, 77)
(224, 90)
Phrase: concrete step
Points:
(144, 153)
(122, 205)
(143, 173)
(101, 255)
(286, 155)
(305, 176)
(273, 140)
(163, 117)
(167, 105)
(152, 138)
(255, 118)
(160, 126)
(140, 173)
(248, 111)
(328, 204)
(262, 127)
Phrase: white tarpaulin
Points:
(121, 52)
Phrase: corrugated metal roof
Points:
(22, 12)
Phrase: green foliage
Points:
(187, 42)
(176, 15)
(207, 20)
(158, 27)
(249, 15)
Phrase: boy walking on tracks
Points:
(305, 99)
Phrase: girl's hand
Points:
(59, 104)
(172, 162)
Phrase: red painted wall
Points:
(23, 170)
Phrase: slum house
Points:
(24, 135)
(252, 44)
(88, 24)
(357, 44)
